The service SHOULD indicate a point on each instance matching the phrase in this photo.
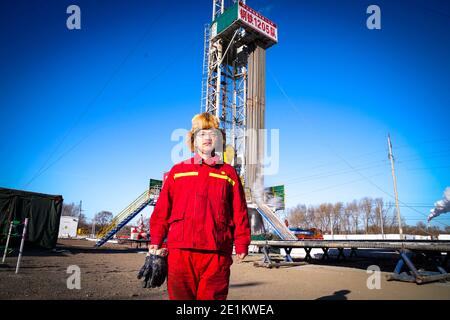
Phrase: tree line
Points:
(101, 219)
(364, 216)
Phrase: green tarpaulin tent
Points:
(43, 211)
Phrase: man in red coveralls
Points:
(202, 211)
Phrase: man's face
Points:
(206, 140)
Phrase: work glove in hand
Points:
(154, 270)
(146, 270)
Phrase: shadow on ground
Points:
(245, 284)
(337, 295)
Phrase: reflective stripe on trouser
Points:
(198, 275)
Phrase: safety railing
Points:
(132, 207)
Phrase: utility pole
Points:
(79, 216)
(382, 223)
(332, 225)
(93, 228)
(391, 157)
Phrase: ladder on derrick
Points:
(204, 96)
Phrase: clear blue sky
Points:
(95, 107)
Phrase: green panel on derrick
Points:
(155, 184)
(227, 18)
(276, 192)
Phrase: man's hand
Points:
(240, 257)
(155, 249)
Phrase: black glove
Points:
(159, 266)
(154, 270)
(146, 270)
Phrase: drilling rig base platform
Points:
(435, 252)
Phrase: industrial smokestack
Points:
(441, 206)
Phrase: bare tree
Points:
(337, 217)
(71, 210)
(378, 215)
(347, 218)
(323, 214)
(103, 218)
(311, 217)
(381, 215)
(297, 216)
(82, 221)
(353, 209)
(366, 205)
(393, 225)
(421, 229)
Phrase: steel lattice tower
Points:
(233, 89)
(236, 36)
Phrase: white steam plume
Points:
(441, 206)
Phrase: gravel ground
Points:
(110, 273)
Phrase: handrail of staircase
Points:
(124, 213)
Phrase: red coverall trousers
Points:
(198, 275)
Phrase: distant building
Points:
(68, 227)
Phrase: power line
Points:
(327, 164)
(89, 134)
(333, 186)
(92, 102)
(325, 175)
(422, 142)
(387, 193)
(336, 173)
(295, 180)
(341, 171)
(424, 168)
(339, 156)
(435, 154)
(363, 155)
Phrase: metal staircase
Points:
(280, 228)
(149, 197)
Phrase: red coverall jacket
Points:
(202, 206)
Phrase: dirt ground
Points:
(110, 273)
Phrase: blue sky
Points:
(95, 108)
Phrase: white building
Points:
(68, 227)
